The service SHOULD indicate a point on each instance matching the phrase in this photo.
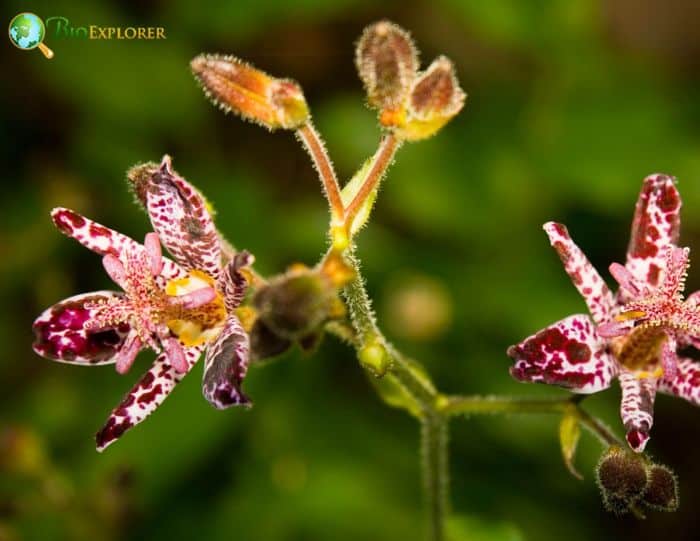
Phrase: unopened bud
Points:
(622, 478)
(435, 98)
(295, 304)
(387, 62)
(265, 344)
(662, 490)
(236, 86)
(374, 357)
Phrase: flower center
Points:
(196, 326)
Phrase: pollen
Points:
(632, 314)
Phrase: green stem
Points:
(435, 472)
(469, 405)
(475, 405)
(434, 429)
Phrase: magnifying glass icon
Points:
(27, 32)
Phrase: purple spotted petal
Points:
(179, 215)
(143, 399)
(225, 366)
(103, 240)
(686, 382)
(568, 354)
(656, 224)
(637, 407)
(60, 332)
(232, 282)
(585, 277)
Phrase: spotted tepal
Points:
(27, 32)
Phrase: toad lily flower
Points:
(637, 334)
(177, 308)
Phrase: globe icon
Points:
(27, 32)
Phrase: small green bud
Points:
(662, 490)
(374, 357)
(622, 478)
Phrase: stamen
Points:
(195, 299)
(154, 252)
(631, 314)
(115, 270)
(127, 354)
(645, 374)
(176, 354)
(624, 278)
(612, 329)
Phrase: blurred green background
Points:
(571, 103)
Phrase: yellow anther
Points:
(632, 314)
(657, 373)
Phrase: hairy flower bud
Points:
(412, 105)
(387, 62)
(662, 490)
(295, 304)
(236, 86)
(435, 98)
(622, 478)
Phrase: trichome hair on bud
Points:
(295, 304)
(436, 91)
(622, 477)
(236, 86)
(662, 490)
(413, 105)
(387, 62)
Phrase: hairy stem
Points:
(475, 405)
(313, 143)
(434, 423)
(380, 163)
(434, 437)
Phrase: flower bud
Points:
(374, 357)
(236, 86)
(265, 344)
(387, 62)
(662, 490)
(295, 304)
(435, 98)
(622, 478)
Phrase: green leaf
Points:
(569, 434)
(393, 394)
(349, 192)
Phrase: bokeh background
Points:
(571, 103)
